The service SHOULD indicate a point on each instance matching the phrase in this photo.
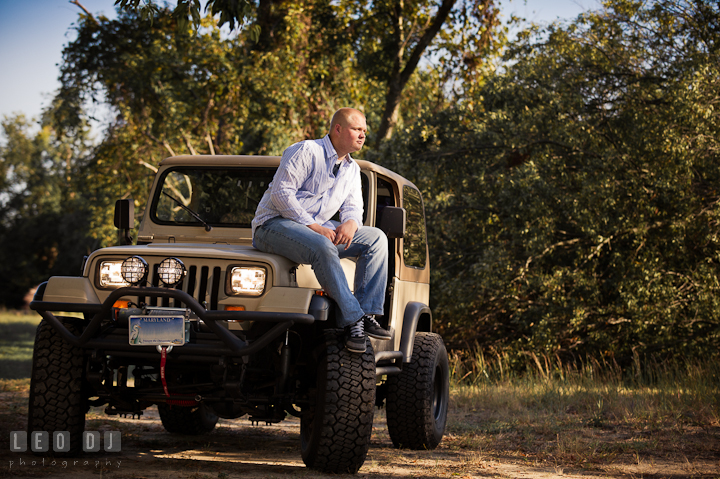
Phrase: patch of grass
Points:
(587, 415)
(17, 337)
(14, 385)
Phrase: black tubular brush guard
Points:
(230, 345)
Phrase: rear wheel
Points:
(57, 401)
(335, 431)
(417, 398)
(189, 420)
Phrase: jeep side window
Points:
(385, 197)
(414, 242)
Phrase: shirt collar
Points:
(331, 155)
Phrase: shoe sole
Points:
(378, 336)
(356, 350)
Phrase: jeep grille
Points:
(202, 282)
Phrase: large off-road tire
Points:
(417, 398)
(188, 420)
(335, 431)
(57, 400)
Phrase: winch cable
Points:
(172, 402)
(163, 358)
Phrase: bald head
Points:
(347, 131)
(344, 116)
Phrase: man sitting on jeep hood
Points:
(315, 180)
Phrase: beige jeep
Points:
(193, 319)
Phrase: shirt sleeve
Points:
(295, 167)
(352, 207)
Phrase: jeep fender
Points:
(417, 317)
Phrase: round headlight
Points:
(134, 270)
(171, 271)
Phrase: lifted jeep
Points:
(195, 320)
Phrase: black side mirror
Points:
(125, 218)
(392, 221)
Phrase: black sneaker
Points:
(374, 330)
(355, 336)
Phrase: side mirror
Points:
(125, 218)
(392, 221)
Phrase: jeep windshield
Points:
(220, 197)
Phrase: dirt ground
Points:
(238, 449)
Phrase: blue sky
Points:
(33, 33)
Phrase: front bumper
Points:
(102, 333)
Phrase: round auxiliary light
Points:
(134, 270)
(171, 271)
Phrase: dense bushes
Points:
(573, 200)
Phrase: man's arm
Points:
(295, 167)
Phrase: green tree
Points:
(388, 38)
(394, 36)
(573, 200)
(231, 12)
(185, 94)
(43, 214)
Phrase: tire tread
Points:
(347, 417)
(57, 401)
(410, 417)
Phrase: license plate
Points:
(157, 330)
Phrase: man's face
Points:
(351, 138)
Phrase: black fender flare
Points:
(40, 291)
(417, 317)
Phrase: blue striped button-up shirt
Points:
(305, 190)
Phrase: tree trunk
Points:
(400, 75)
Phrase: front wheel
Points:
(335, 431)
(417, 398)
(57, 399)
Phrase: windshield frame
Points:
(157, 196)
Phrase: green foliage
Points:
(387, 38)
(43, 214)
(234, 13)
(572, 200)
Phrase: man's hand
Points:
(345, 232)
(326, 232)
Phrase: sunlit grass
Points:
(15, 385)
(30, 317)
(587, 414)
(581, 416)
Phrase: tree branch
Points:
(87, 12)
(187, 143)
(401, 74)
(164, 143)
(208, 138)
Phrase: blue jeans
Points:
(369, 249)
